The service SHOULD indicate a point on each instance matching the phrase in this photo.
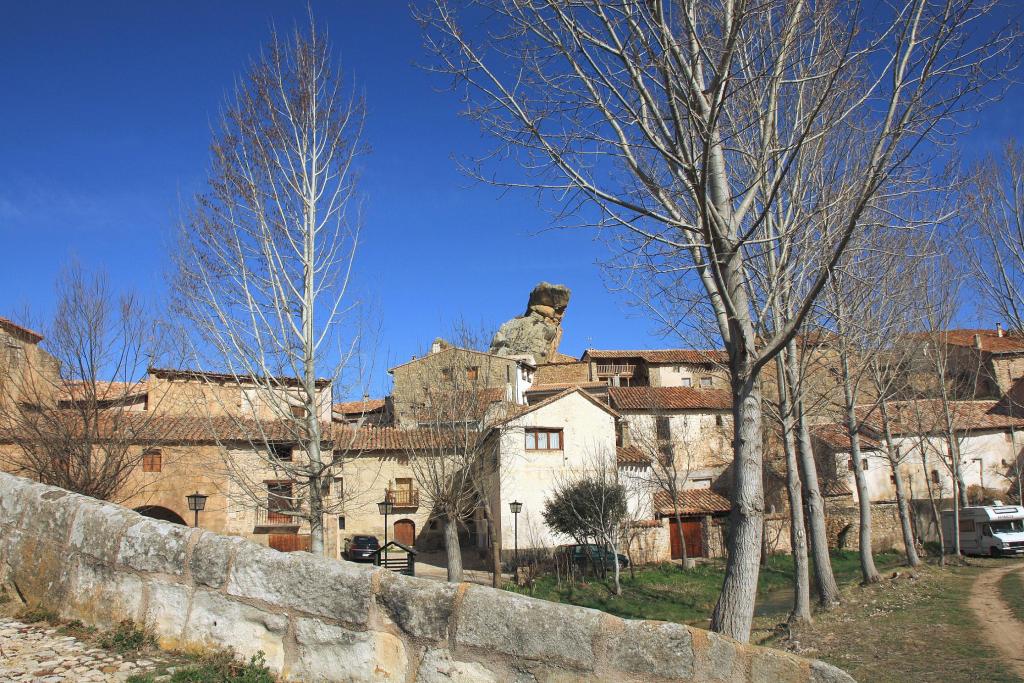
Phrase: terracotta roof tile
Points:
(12, 326)
(688, 356)
(990, 340)
(359, 407)
(928, 416)
(692, 502)
(518, 411)
(837, 437)
(631, 455)
(103, 391)
(558, 357)
(669, 398)
(835, 489)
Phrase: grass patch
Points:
(36, 615)
(906, 629)
(668, 593)
(127, 637)
(1011, 590)
(219, 667)
(77, 629)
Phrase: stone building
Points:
(696, 368)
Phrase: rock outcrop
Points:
(538, 331)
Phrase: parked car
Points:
(361, 548)
(591, 555)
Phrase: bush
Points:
(35, 615)
(127, 637)
(222, 667)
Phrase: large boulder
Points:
(538, 331)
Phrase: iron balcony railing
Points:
(403, 498)
(277, 517)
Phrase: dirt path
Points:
(997, 622)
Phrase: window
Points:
(338, 490)
(719, 420)
(966, 525)
(279, 500)
(935, 477)
(685, 382)
(705, 382)
(471, 373)
(281, 451)
(863, 464)
(341, 522)
(543, 439)
(446, 373)
(664, 427)
(677, 369)
(297, 411)
(152, 460)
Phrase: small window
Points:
(338, 490)
(720, 420)
(446, 373)
(341, 521)
(544, 439)
(677, 369)
(685, 382)
(935, 477)
(471, 373)
(705, 382)
(966, 525)
(152, 460)
(663, 427)
(864, 464)
(297, 411)
(281, 451)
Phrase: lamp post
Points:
(385, 507)
(516, 507)
(196, 503)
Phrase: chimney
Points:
(999, 329)
(366, 397)
(977, 341)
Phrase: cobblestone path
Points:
(41, 654)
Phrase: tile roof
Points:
(669, 398)
(519, 411)
(837, 437)
(561, 373)
(241, 378)
(692, 502)
(12, 326)
(689, 356)
(452, 349)
(835, 489)
(562, 386)
(927, 416)
(631, 455)
(370, 405)
(991, 341)
(558, 357)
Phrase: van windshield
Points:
(1009, 526)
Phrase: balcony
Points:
(268, 521)
(403, 498)
(613, 369)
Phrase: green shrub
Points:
(127, 637)
(222, 667)
(34, 615)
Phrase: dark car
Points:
(591, 555)
(361, 548)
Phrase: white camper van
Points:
(987, 530)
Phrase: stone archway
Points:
(162, 513)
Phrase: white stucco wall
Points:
(666, 375)
(531, 476)
(703, 447)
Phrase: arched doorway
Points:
(162, 513)
(405, 532)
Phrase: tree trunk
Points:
(824, 578)
(734, 611)
(452, 549)
(679, 533)
(495, 552)
(936, 519)
(797, 534)
(867, 559)
(901, 498)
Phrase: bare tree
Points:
(679, 123)
(75, 413)
(264, 270)
(994, 215)
(456, 463)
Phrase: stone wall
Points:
(324, 620)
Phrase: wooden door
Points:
(405, 532)
(692, 534)
(289, 543)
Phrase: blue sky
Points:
(105, 126)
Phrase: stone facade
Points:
(324, 620)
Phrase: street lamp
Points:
(196, 503)
(516, 507)
(386, 507)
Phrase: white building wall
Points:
(532, 476)
(703, 446)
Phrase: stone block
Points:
(302, 582)
(421, 608)
(718, 658)
(773, 666)
(12, 490)
(525, 627)
(151, 545)
(327, 652)
(653, 648)
(166, 611)
(437, 666)
(102, 596)
(826, 673)
(97, 529)
(211, 557)
(216, 621)
(49, 511)
(39, 569)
